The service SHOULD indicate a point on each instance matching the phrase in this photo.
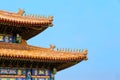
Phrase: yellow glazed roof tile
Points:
(37, 53)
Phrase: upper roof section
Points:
(25, 25)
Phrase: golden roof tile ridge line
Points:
(38, 47)
(23, 19)
(24, 46)
(20, 14)
(6, 12)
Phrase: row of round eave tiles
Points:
(25, 18)
(25, 22)
(43, 58)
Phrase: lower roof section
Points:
(19, 54)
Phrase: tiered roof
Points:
(24, 55)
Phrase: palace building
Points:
(21, 61)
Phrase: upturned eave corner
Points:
(85, 52)
(75, 55)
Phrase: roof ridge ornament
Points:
(20, 12)
(52, 47)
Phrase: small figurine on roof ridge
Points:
(20, 12)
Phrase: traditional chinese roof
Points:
(25, 25)
(22, 54)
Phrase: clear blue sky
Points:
(91, 24)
